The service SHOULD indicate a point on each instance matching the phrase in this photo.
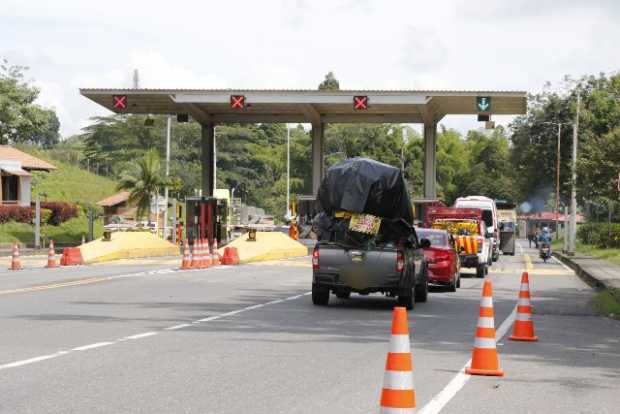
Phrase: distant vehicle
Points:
(474, 242)
(507, 215)
(444, 267)
(489, 214)
(545, 251)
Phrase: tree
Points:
(330, 83)
(21, 120)
(143, 181)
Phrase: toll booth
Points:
(306, 208)
(207, 218)
(421, 207)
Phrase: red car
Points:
(444, 268)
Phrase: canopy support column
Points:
(207, 147)
(430, 161)
(317, 156)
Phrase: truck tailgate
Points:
(358, 268)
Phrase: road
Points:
(142, 337)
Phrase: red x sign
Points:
(119, 101)
(360, 102)
(237, 101)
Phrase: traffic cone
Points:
(16, 264)
(484, 359)
(208, 255)
(215, 254)
(398, 393)
(51, 255)
(524, 326)
(201, 254)
(195, 258)
(186, 263)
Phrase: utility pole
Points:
(402, 151)
(168, 133)
(288, 171)
(214, 161)
(37, 222)
(573, 195)
(557, 185)
(136, 79)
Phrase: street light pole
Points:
(168, 133)
(573, 195)
(288, 171)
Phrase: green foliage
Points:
(607, 303)
(69, 232)
(143, 180)
(21, 120)
(330, 83)
(68, 183)
(604, 235)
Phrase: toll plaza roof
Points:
(312, 106)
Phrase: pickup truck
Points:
(396, 271)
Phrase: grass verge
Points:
(69, 232)
(607, 303)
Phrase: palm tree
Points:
(143, 181)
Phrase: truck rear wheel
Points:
(343, 294)
(320, 295)
(480, 270)
(405, 301)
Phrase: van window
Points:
(487, 216)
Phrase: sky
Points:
(449, 44)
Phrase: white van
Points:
(489, 215)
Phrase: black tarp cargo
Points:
(366, 186)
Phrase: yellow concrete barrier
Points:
(268, 246)
(127, 245)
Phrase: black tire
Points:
(320, 295)
(343, 295)
(458, 280)
(421, 291)
(480, 271)
(452, 287)
(486, 270)
(406, 301)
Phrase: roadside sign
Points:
(119, 101)
(483, 103)
(360, 102)
(237, 101)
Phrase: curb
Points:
(583, 275)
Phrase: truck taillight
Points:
(315, 258)
(400, 261)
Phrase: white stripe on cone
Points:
(486, 302)
(525, 286)
(523, 302)
(400, 344)
(484, 343)
(398, 380)
(524, 317)
(388, 410)
(486, 322)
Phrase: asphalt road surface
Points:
(142, 337)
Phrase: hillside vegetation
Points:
(68, 183)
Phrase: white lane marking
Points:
(31, 360)
(175, 327)
(440, 400)
(92, 346)
(520, 249)
(16, 364)
(140, 336)
(563, 265)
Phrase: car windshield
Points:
(436, 238)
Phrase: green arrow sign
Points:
(483, 103)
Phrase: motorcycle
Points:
(545, 252)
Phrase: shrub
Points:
(46, 214)
(61, 211)
(600, 234)
(16, 213)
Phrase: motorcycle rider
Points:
(544, 238)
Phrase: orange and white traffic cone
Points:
(16, 264)
(201, 254)
(186, 263)
(195, 255)
(215, 255)
(484, 360)
(398, 393)
(524, 326)
(208, 255)
(51, 255)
